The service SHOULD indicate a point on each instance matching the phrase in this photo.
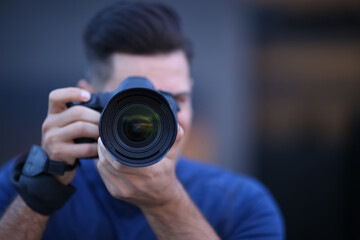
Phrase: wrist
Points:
(21, 206)
(66, 178)
(177, 218)
(40, 191)
(178, 197)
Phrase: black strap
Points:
(59, 168)
(42, 193)
(37, 162)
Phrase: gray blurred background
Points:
(276, 94)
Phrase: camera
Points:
(138, 124)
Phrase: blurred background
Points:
(276, 94)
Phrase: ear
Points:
(83, 84)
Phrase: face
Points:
(169, 72)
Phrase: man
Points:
(172, 199)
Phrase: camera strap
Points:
(39, 190)
(37, 162)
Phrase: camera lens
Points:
(138, 125)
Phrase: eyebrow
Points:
(182, 94)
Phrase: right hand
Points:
(62, 125)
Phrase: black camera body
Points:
(138, 124)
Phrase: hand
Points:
(149, 186)
(63, 125)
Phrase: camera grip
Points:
(97, 102)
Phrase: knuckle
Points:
(45, 126)
(118, 167)
(77, 112)
(81, 127)
(73, 91)
(56, 153)
(125, 193)
(77, 128)
(148, 176)
(99, 166)
(114, 192)
(139, 185)
(52, 95)
(50, 139)
(90, 150)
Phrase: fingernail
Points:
(85, 95)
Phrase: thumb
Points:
(174, 150)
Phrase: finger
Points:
(102, 158)
(180, 134)
(113, 183)
(173, 152)
(83, 150)
(116, 167)
(106, 158)
(59, 97)
(69, 152)
(106, 165)
(73, 114)
(78, 129)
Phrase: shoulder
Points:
(235, 204)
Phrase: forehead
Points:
(168, 72)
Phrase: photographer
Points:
(104, 199)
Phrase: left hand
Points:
(150, 186)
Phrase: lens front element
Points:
(138, 125)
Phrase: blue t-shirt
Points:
(236, 206)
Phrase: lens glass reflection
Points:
(138, 123)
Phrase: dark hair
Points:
(135, 28)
